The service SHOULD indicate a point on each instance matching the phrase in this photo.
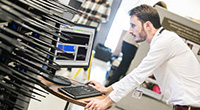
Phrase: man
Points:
(129, 49)
(175, 67)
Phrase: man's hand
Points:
(96, 104)
(98, 86)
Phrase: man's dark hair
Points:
(146, 13)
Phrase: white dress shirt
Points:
(175, 67)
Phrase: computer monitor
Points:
(78, 48)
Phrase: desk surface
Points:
(53, 89)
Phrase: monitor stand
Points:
(57, 79)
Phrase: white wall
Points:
(187, 8)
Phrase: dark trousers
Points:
(179, 107)
(128, 51)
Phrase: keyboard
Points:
(79, 91)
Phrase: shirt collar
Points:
(156, 36)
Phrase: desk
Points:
(53, 89)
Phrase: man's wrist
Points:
(108, 101)
(107, 90)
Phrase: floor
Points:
(98, 71)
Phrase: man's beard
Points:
(142, 35)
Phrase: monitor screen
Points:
(77, 48)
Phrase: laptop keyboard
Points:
(80, 91)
